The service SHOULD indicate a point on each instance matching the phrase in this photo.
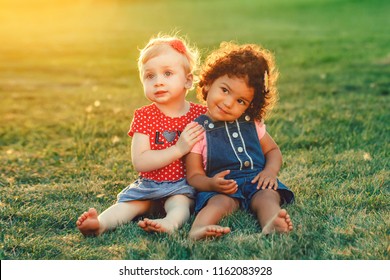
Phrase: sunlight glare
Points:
(46, 21)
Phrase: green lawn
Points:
(69, 86)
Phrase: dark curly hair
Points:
(251, 62)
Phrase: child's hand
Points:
(221, 185)
(266, 180)
(191, 134)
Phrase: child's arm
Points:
(197, 178)
(145, 159)
(273, 162)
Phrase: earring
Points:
(265, 81)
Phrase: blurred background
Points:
(69, 85)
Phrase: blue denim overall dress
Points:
(235, 146)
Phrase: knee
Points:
(178, 201)
(224, 202)
(266, 195)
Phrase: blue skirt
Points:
(146, 189)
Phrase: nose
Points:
(228, 102)
(158, 81)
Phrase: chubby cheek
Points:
(213, 97)
(210, 103)
(148, 94)
(147, 86)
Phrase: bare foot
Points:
(208, 231)
(88, 223)
(158, 225)
(281, 222)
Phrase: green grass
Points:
(69, 86)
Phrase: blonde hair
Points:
(160, 43)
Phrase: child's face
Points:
(164, 78)
(228, 98)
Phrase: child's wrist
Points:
(274, 171)
(177, 151)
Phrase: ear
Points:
(205, 91)
(189, 81)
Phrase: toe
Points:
(142, 224)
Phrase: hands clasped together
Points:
(265, 180)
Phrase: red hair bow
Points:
(178, 45)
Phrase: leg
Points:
(206, 222)
(266, 205)
(177, 208)
(92, 224)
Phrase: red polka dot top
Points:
(163, 132)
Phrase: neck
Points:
(209, 115)
(174, 110)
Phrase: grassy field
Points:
(69, 86)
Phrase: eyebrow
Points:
(163, 68)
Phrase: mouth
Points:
(160, 92)
(222, 110)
